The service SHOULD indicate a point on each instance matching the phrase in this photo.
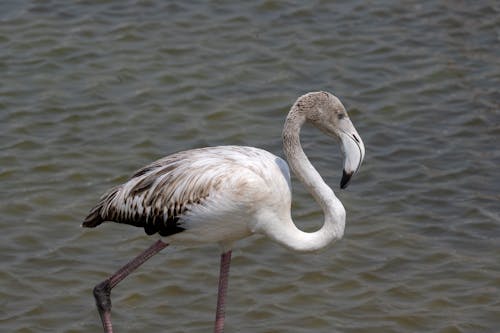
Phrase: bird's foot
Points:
(102, 295)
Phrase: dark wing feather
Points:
(157, 195)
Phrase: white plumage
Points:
(222, 194)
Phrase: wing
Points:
(157, 196)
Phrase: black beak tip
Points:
(346, 177)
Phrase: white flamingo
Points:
(223, 194)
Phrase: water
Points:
(92, 90)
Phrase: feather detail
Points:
(158, 195)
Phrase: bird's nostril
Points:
(355, 138)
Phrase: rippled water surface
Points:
(92, 90)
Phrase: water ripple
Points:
(91, 91)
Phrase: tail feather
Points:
(98, 214)
(94, 218)
(163, 220)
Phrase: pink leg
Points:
(225, 261)
(102, 292)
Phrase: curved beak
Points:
(353, 150)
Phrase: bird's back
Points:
(211, 184)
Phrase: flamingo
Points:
(226, 193)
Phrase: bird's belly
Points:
(202, 231)
(232, 212)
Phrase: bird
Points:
(222, 194)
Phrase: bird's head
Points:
(326, 112)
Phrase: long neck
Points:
(333, 210)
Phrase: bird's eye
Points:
(340, 116)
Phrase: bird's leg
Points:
(225, 261)
(102, 291)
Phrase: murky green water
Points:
(92, 90)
